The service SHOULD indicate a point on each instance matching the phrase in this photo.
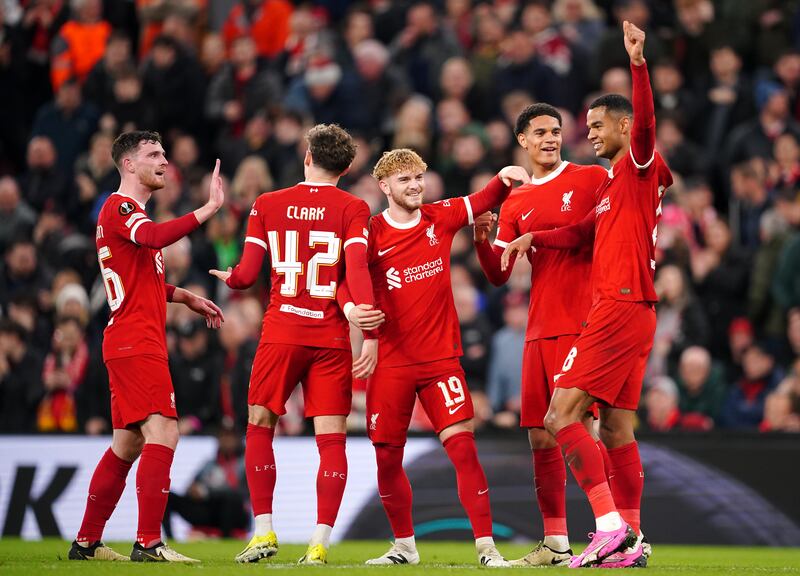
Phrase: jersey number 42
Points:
(286, 263)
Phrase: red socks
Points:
(331, 477)
(394, 489)
(550, 480)
(152, 490)
(627, 481)
(473, 490)
(259, 461)
(584, 459)
(105, 489)
(604, 454)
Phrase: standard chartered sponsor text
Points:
(427, 270)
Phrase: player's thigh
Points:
(140, 386)
(391, 395)
(643, 329)
(277, 369)
(600, 359)
(328, 385)
(444, 395)
(535, 390)
(561, 349)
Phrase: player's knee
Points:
(615, 436)
(540, 439)
(260, 416)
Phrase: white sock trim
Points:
(409, 543)
(557, 542)
(263, 524)
(609, 522)
(321, 535)
(484, 542)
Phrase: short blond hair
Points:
(396, 161)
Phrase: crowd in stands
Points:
(243, 80)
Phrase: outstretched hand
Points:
(220, 274)
(518, 247)
(517, 173)
(206, 308)
(216, 193)
(634, 42)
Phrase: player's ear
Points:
(625, 123)
(127, 165)
(522, 140)
(384, 187)
(307, 159)
(346, 170)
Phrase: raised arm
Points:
(489, 255)
(157, 236)
(643, 133)
(497, 189)
(567, 237)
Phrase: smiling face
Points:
(542, 140)
(607, 131)
(149, 163)
(405, 189)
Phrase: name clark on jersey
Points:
(305, 213)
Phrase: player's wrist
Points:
(347, 308)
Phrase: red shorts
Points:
(391, 392)
(140, 386)
(541, 360)
(326, 374)
(608, 359)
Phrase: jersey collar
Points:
(552, 175)
(132, 198)
(400, 225)
(315, 184)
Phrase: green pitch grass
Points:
(438, 558)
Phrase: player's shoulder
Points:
(119, 206)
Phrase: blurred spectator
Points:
(68, 122)
(325, 94)
(216, 502)
(782, 407)
(159, 17)
(681, 321)
(744, 405)
(740, 338)
(357, 28)
(21, 272)
(16, 217)
(580, 22)
(63, 374)
(721, 272)
(516, 69)
(241, 88)
(786, 282)
(671, 95)
(170, 74)
(95, 178)
(682, 155)
(422, 47)
(265, 21)
(749, 201)
(726, 99)
(80, 43)
(13, 123)
(20, 380)
(40, 23)
(702, 389)
(381, 88)
(610, 51)
(413, 125)
(196, 368)
(99, 86)
(660, 402)
(762, 308)
(476, 335)
(213, 54)
(252, 179)
(505, 366)
(129, 109)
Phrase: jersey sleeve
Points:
(356, 229)
(507, 230)
(643, 132)
(124, 218)
(453, 213)
(256, 230)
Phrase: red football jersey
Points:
(305, 230)
(561, 290)
(134, 280)
(410, 269)
(626, 228)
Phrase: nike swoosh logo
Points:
(528, 213)
(384, 495)
(482, 492)
(456, 409)
(386, 251)
(164, 491)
